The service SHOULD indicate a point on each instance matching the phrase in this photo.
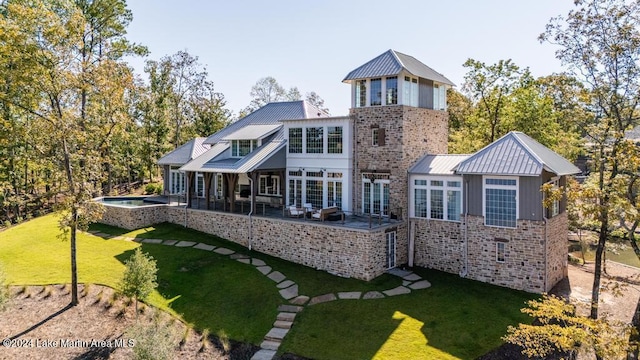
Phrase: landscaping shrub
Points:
(7, 223)
(158, 190)
(154, 340)
(150, 189)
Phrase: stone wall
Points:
(410, 133)
(132, 218)
(336, 249)
(557, 249)
(439, 245)
(524, 265)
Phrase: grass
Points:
(455, 318)
(616, 251)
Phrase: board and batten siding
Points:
(473, 187)
(425, 92)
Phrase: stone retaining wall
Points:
(557, 250)
(132, 218)
(358, 253)
(439, 245)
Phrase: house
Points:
(384, 169)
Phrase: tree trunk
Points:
(595, 290)
(74, 265)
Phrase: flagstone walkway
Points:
(288, 289)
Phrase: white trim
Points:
(504, 187)
(428, 187)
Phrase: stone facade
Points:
(410, 132)
(338, 250)
(438, 245)
(132, 218)
(557, 250)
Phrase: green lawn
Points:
(455, 318)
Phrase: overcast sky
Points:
(314, 44)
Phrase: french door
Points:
(375, 197)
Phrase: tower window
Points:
(392, 91)
(361, 93)
(376, 92)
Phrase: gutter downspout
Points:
(186, 205)
(546, 243)
(411, 242)
(250, 215)
(465, 270)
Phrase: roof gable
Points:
(270, 114)
(185, 153)
(516, 154)
(391, 63)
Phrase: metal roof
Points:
(272, 151)
(251, 132)
(185, 152)
(391, 63)
(270, 114)
(437, 164)
(212, 153)
(516, 154)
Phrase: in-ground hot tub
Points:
(132, 212)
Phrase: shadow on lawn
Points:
(211, 291)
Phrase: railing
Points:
(372, 218)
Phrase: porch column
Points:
(283, 187)
(232, 180)
(190, 185)
(254, 190)
(207, 188)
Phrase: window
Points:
(391, 249)
(240, 148)
(314, 191)
(199, 185)
(500, 252)
(361, 93)
(439, 97)
(295, 141)
(555, 205)
(391, 97)
(269, 185)
(219, 189)
(334, 189)
(500, 201)
(334, 139)
(376, 92)
(176, 182)
(295, 192)
(377, 137)
(410, 94)
(437, 199)
(315, 140)
(375, 194)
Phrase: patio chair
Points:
(308, 207)
(295, 212)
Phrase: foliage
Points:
(267, 90)
(155, 340)
(140, 275)
(561, 330)
(502, 97)
(600, 42)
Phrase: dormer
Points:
(249, 138)
(394, 78)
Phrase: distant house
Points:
(380, 185)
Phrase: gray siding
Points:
(425, 93)
(473, 188)
(530, 198)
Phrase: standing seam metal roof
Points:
(270, 114)
(391, 63)
(437, 164)
(516, 154)
(185, 153)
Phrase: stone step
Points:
(400, 290)
(283, 324)
(373, 295)
(204, 247)
(185, 244)
(299, 300)
(424, 284)
(290, 308)
(276, 276)
(270, 345)
(412, 277)
(290, 292)
(223, 251)
(264, 269)
(276, 334)
(244, 261)
(264, 354)
(257, 262)
(322, 298)
(285, 284)
(286, 316)
(354, 295)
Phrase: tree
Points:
(140, 275)
(67, 55)
(600, 42)
(488, 86)
(314, 99)
(267, 90)
(560, 329)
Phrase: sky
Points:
(314, 44)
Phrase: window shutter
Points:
(381, 137)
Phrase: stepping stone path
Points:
(288, 289)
